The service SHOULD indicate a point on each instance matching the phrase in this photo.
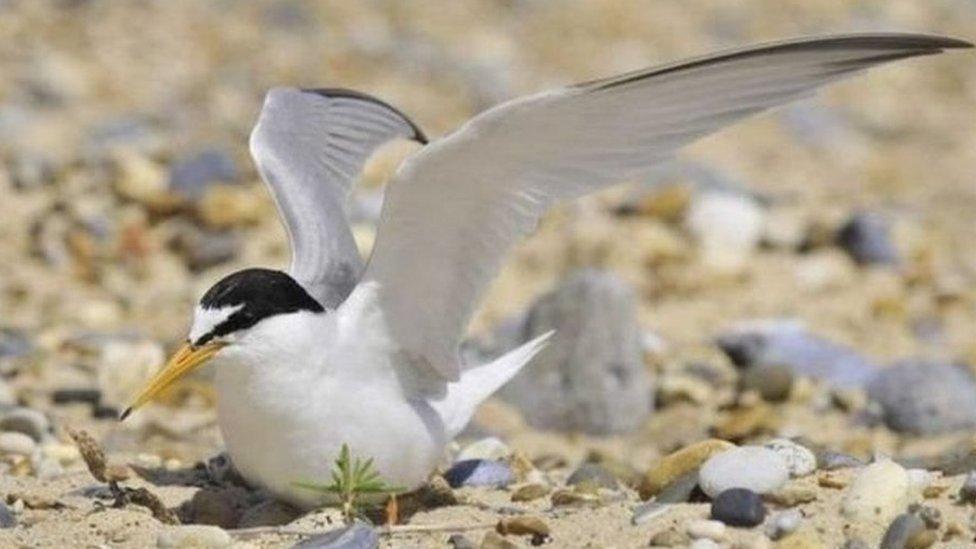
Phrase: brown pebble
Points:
(522, 526)
(530, 492)
(791, 496)
(953, 530)
(934, 490)
(741, 423)
(921, 540)
(574, 497)
(493, 540)
(831, 481)
(678, 464)
(669, 538)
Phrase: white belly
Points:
(282, 429)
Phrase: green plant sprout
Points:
(351, 478)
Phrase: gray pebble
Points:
(7, 518)
(866, 236)
(459, 541)
(358, 535)
(479, 472)
(191, 175)
(931, 516)
(647, 511)
(738, 507)
(202, 249)
(25, 420)
(592, 473)
(829, 460)
(784, 523)
(773, 382)
(925, 397)
(967, 493)
(902, 529)
(679, 490)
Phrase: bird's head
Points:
(230, 316)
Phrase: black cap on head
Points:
(259, 294)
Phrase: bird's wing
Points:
(309, 146)
(454, 209)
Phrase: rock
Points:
(799, 460)
(738, 507)
(773, 382)
(708, 529)
(530, 492)
(27, 421)
(831, 461)
(679, 490)
(7, 518)
(69, 396)
(678, 464)
(967, 492)
(878, 493)
(479, 472)
(459, 541)
(494, 540)
(647, 511)
(755, 468)
(866, 236)
(267, 513)
(217, 507)
(592, 376)
(593, 474)
(669, 538)
(931, 516)
(901, 530)
(358, 535)
(784, 523)
(48, 468)
(787, 343)
(123, 367)
(195, 536)
(192, 175)
(16, 444)
(727, 227)
(524, 525)
(824, 270)
(926, 397)
(792, 495)
(223, 207)
(743, 422)
(489, 448)
(202, 249)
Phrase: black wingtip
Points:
(418, 135)
(125, 414)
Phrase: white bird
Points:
(334, 353)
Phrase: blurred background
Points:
(127, 190)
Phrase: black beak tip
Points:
(125, 414)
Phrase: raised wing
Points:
(454, 209)
(309, 146)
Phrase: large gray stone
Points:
(591, 377)
(925, 397)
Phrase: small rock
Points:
(832, 461)
(967, 492)
(490, 448)
(530, 492)
(866, 236)
(192, 175)
(124, 365)
(358, 535)
(47, 469)
(27, 421)
(738, 507)
(196, 535)
(479, 472)
(669, 538)
(84, 396)
(902, 529)
(727, 226)
(788, 343)
(459, 541)
(593, 474)
(678, 464)
(591, 377)
(931, 516)
(202, 249)
(879, 492)
(784, 523)
(494, 540)
(799, 460)
(746, 421)
(647, 511)
(792, 495)
(7, 518)
(708, 529)
(575, 497)
(755, 468)
(680, 490)
(523, 525)
(17, 444)
(773, 382)
(926, 398)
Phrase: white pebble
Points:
(758, 469)
(14, 443)
(878, 493)
(919, 479)
(727, 226)
(196, 535)
(800, 461)
(784, 523)
(709, 529)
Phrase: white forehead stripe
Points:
(205, 320)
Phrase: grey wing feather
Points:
(310, 146)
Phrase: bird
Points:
(337, 351)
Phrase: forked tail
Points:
(479, 383)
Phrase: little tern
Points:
(336, 352)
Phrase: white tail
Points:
(479, 383)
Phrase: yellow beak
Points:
(187, 359)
